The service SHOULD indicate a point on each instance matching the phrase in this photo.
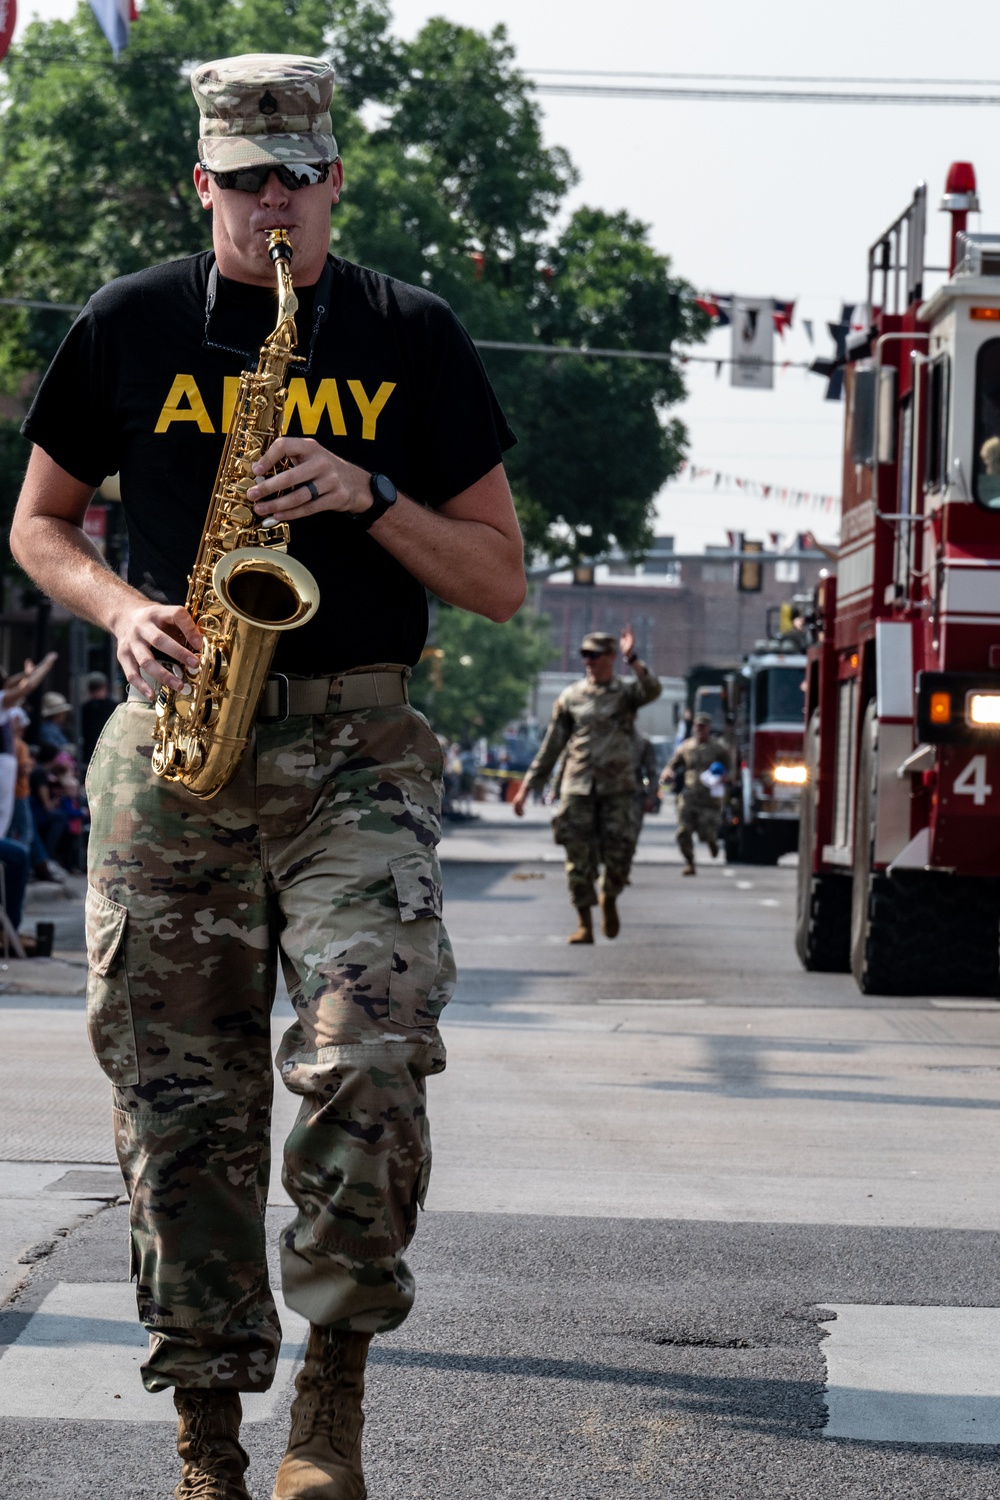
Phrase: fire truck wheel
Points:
(917, 932)
(823, 902)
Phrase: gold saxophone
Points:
(244, 588)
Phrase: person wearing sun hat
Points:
(390, 475)
(54, 714)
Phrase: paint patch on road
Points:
(913, 1374)
(652, 1000)
(78, 1356)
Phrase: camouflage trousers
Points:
(697, 815)
(320, 855)
(596, 831)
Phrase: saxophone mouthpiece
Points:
(279, 246)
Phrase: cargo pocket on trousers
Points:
(418, 987)
(109, 1010)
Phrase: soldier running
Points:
(699, 807)
(594, 720)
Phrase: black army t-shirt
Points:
(393, 384)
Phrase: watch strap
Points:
(380, 504)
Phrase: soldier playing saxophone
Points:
(319, 852)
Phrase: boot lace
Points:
(329, 1399)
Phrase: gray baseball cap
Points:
(264, 107)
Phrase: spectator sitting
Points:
(95, 711)
(55, 711)
(51, 819)
(22, 825)
(66, 784)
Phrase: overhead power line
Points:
(755, 96)
(70, 307)
(680, 355)
(964, 83)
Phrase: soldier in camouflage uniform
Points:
(698, 811)
(593, 721)
(320, 853)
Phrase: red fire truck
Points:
(899, 853)
(764, 711)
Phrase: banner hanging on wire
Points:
(753, 343)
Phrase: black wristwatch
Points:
(384, 496)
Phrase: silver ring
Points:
(313, 491)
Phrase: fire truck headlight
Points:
(792, 775)
(984, 709)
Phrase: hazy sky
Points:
(760, 199)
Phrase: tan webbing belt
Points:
(286, 697)
(289, 697)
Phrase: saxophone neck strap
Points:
(321, 308)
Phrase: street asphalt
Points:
(660, 1165)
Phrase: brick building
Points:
(683, 609)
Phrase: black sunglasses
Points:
(252, 179)
(593, 655)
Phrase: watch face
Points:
(385, 488)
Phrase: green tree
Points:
(449, 185)
(595, 442)
(478, 675)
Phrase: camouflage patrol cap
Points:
(597, 640)
(264, 107)
(703, 719)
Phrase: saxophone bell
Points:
(266, 588)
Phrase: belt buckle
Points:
(282, 714)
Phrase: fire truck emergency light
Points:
(983, 708)
(985, 314)
(940, 708)
(795, 775)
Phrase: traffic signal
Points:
(750, 579)
(583, 574)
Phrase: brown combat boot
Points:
(323, 1460)
(585, 932)
(689, 868)
(208, 1441)
(610, 924)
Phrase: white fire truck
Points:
(899, 852)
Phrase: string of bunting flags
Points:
(758, 490)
